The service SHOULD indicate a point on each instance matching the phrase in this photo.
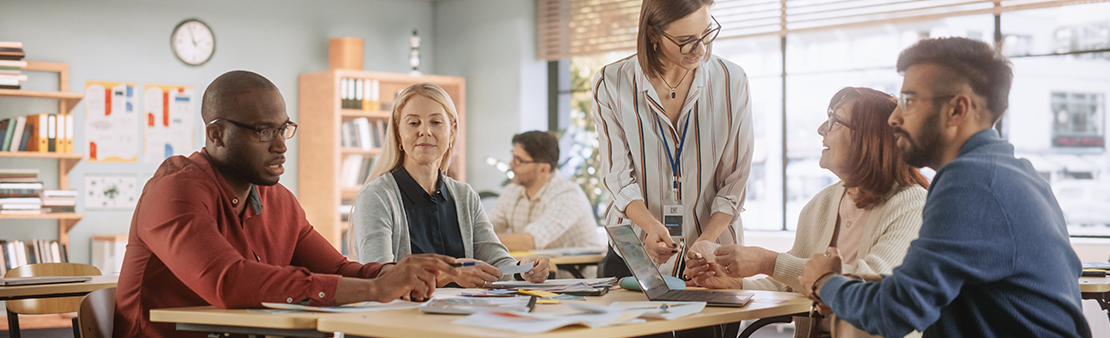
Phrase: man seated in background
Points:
(216, 228)
(540, 209)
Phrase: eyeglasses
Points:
(689, 46)
(286, 130)
(516, 160)
(904, 99)
(834, 121)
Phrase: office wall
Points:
(492, 44)
(128, 40)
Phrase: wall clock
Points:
(193, 42)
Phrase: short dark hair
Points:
(986, 71)
(541, 145)
(660, 14)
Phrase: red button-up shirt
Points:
(188, 247)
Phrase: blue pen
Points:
(462, 264)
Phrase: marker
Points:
(462, 264)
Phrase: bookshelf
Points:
(66, 161)
(321, 155)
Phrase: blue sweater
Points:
(992, 260)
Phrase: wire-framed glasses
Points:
(286, 131)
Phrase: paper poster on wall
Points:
(167, 122)
(111, 191)
(111, 122)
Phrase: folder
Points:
(69, 133)
(38, 128)
(51, 133)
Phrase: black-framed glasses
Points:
(834, 121)
(689, 46)
(286, 131)
(518, 160)
(904, 99)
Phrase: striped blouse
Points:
(717, 150)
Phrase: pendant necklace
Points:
(679, 82)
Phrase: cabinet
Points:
(319, 135)
(66, 161)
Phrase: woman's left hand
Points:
(540, 268)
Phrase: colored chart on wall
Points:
(167, 121)
(111, 121)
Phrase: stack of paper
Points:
(588, 315)
(353, 307)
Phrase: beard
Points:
(241, 169)
(922, 149)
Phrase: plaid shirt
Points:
(558, 216)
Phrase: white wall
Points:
(128, 40)
(492, 44)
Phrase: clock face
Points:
(193, 42)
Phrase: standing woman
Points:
(410, 207)
(675, 131)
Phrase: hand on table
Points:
(479, 275)
(541, 265)
(413, 278)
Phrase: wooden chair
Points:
(46, 305)
(97, 314)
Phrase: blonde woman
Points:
(409, 206)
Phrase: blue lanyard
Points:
(674, 161)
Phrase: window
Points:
(1077, 120)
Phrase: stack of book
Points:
(37, 133)
(59, 200)
(11, 61)
(20, 191)
(18, 253)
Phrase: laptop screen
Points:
(634, 255)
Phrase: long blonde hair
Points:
(392, 156)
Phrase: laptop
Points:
(14, 281)
(651, 281)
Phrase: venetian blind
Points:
(582, 27)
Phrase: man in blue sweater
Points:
(993, 257)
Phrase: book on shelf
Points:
(16, 253)
(54, 201)
(17, 134)
(364, 133)
(11, 44)
(19, 175)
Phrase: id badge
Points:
(672, 219)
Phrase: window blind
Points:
(583, 27)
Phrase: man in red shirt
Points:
(216, 228)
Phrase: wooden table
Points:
(1097, 288)
(251, 322)
(57, 290)
(413, 323)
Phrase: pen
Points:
(462, 264)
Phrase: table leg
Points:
(758, 324)
(574, 269)
(13, 324)
(1101, 298)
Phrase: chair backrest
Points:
(49, 305)
(97, 313)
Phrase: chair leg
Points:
(13, 324)
(76, 328)
(764, 322)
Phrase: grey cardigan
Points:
(380, 229)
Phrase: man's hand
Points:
(480, 275)
(412, 278)
(865, 277)
(659, 245)
(540, 267)
(739, 261)
(819, 267)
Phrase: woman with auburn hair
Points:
(674, 126)
(870, 216)
(409, 206)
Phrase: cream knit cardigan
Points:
(891, 227)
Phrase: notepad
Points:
(15, 281)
